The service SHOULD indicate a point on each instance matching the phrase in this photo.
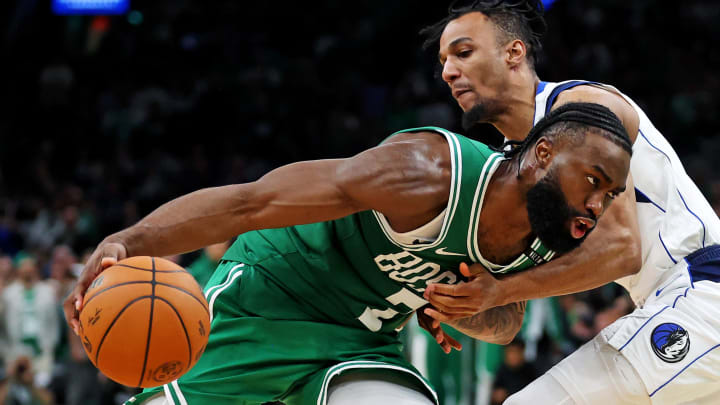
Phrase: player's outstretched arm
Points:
(407, 177)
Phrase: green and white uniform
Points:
(293, 307)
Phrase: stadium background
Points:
(103, 118)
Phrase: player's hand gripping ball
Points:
(144, 321)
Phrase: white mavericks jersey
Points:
(675, 218)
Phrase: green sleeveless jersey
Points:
(353, 272)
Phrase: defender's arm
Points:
(611, 252)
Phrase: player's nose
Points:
(595, 204)
(450, 71)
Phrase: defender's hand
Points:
(433, 327)
(452, 302)
(104, 256)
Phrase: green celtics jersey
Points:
(352, 271)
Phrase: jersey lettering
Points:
(404, 267)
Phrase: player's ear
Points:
(515, 52)
(544, 152)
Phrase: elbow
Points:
(503, 337)
(506, 338)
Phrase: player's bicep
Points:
(384, 178)
(401, 177)
(607, 97)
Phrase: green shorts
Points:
(253, 358)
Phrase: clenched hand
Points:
(104, 256)
(451, 302)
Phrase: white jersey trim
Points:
(453, 198)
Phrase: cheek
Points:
(576, 191)
(487, 76)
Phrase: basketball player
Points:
(662, 353)
(308, 314)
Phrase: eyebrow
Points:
(608, 178)
(455, 43)
(602, 172)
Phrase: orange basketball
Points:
(144, 321)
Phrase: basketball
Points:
(144, 321)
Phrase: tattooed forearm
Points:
(496, 325)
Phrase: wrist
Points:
(510, 290)
(121, 238)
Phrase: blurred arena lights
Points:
(90, 7)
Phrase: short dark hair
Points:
(522, 19)
(573, 119)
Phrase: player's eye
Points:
(592, 180)
(465, 53)
(612, 194)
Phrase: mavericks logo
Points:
(670, 342)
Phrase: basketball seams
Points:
(135, 288)
(113, 286)
(186, 292)
(148, 282)
(182, 323)
(109, 328)
(144, 269)
(150, 324)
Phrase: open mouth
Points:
(579, 227)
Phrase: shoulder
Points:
(605, 96)
(419, 147)
(422, 136)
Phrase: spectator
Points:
(20, 388)
(31, 320)
(203, 267)
(62, 278)
(514, 374)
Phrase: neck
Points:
(506, 200)
(504, 230)
(517, 118)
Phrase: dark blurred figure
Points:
(514, 374)
(62, 278)
(20, 388)
(204, 266)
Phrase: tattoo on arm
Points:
(498, 321)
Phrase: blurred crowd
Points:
(105, 118)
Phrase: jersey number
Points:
(372, 317)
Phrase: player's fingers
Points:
(452, 342)
(71, 311)
(438, 315)
(465, 270)
(452, 304)
(75, 324)
(454, 290)
(108, 261)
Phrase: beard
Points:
(550, 214)
(484, 111)
(477, 114)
